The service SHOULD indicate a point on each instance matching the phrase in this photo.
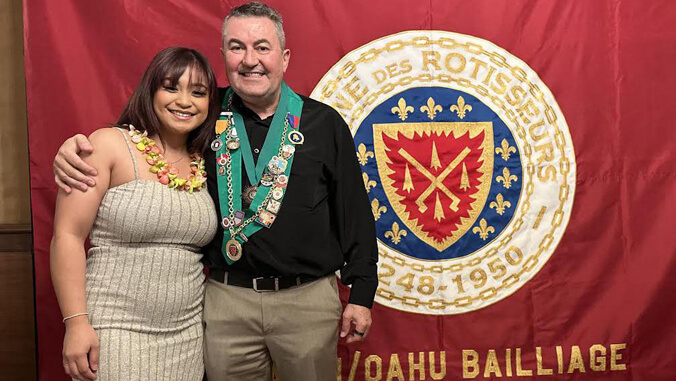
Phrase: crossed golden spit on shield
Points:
(438, 181)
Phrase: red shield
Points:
(436, 175)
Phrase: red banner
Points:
(593, 296)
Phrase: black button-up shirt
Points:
(325, 222)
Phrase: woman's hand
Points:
(80, 349)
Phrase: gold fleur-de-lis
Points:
(483, 229)
(377, 209)
(431, 108)
(505, 149)
(368, 184)
(363, 155)
(500, 204)
(461, 108)
(506, 178)
(395, 234)
(402, 109)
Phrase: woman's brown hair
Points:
(170, 64)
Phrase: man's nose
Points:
(250, 58)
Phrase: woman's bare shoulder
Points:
(110, 141)
(107, 135)
(109, 148)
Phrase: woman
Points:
(132, 306)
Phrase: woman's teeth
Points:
(181, 115)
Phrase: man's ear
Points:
(286, 56)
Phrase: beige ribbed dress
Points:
(145, 284)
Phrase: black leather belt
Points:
(259, 284)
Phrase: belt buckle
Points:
(255, 284)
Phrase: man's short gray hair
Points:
(257, 9)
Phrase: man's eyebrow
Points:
(257, 42)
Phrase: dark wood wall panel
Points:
(17, 323)
(17, 319)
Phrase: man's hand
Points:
(70, 169)
(360, 316)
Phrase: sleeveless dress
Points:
(145, 283)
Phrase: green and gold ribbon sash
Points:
(283, 133)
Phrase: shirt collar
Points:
(246, 112)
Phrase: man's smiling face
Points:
(255, 61)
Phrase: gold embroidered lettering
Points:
(542, 371)
(413, 366)
(373, 361)
(492, 365)
(470, 363)
(615, 357)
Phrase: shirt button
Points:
(256, 150)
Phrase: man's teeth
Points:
(252, 74)
(180, 114)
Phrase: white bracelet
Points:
(73, 316)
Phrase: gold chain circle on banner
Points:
(430, 299)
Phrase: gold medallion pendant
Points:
(233, 249)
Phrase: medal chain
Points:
(228, 170)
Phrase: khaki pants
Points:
(296, 329)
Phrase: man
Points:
(272, 296)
